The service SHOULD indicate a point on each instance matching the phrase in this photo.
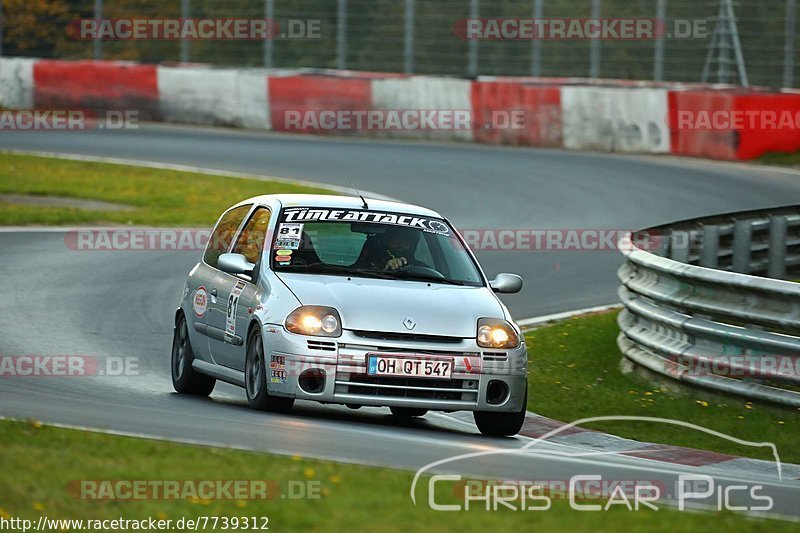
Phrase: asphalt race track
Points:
(121, 303)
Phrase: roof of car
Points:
(343, 202)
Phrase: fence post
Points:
(679, 244)
(536, 42)
(1, 27)
(594, 52)
(408, 52)
(98, 42)
(269, 14)
(788, 45)
(185, 14)
(709, 255)
(472, 67)
(777, 247)
(341, 34)
(742, 245)
(658, 60)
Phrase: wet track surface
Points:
(54, 300)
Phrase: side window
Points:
(221, 239)
(251, 241)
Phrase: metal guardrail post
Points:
(408, 41)
(536, 42)
(472, 63)
(341, 34)
(709, 255)
(594, 51)
(777, 247)
(269, 14)
(185, 14)
(1, 27)
(98, 42)
(790, 30)
(742, 244)
(658, 59)
(679, 246)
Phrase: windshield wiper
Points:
(431, 279)
(323, 268)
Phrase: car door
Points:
(237, 296)
(206, 277)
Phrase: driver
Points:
(394, 252)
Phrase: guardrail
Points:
(696, 309)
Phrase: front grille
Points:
(392, 336)
(396, 387)
(495, 356)
(322, 345)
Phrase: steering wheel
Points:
(422, 270)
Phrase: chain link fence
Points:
(756, 43)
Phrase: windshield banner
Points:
(430, 225)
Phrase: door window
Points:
(251, 241)
(220, 240)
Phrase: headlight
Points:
(496, 333)
(315, 320)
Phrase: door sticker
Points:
(233, 301)
(200, 302)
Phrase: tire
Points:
(255, 379)
(185, 379)
(408, 412)
(501, 424)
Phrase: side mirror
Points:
(236, 264)
(506, 283)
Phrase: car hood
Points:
(383, 305)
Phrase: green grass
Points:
(575, 373)
(39, 462)
(161, 197)
(780, 158)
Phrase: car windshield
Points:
(371, 244)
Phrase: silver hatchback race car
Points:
(350, 301)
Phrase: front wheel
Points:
(255, 379)
(501, 424)
(185, 379)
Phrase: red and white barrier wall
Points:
(618, 117)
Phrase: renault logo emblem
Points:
(409, 323)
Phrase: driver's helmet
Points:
(401, 241)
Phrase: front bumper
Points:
(335, 371)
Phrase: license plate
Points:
(379, 365)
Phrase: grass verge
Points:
(160, 197)
(39, 462)
(780, 158)
(575, 373)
